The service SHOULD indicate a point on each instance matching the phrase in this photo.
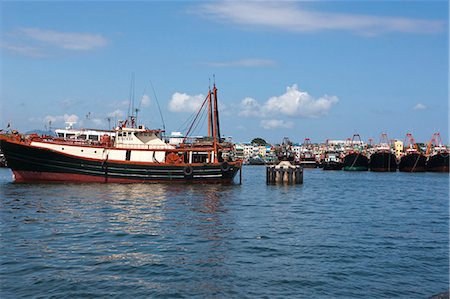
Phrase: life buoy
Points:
(188, 171)
(225, 166)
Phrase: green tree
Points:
(259, 141)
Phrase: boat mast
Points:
(210, 115)
(216, 128)
(210, 119)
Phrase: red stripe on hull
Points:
(439, 169)
(412, 169)
(382, 169)
(21, 176)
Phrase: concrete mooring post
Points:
(284, 173)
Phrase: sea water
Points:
(339, 235)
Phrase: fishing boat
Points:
(383, 158)
(307, 156)
(133, 154)
(332, 161)
(355, 159)
(256, 160)
(412, 159)
(438, 155)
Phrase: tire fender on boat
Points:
(225, 167)
(188, 171)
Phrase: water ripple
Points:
(339, 235)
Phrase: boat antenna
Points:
(159, 108)
(131, 103)
(139, 106)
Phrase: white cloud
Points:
(420, 106)
(65, 40)
(290, 16)
(31, 51)
(61, 118)
(145, 101)
(182, 102)
(299, 103)
(292, 103)
(249, 107)
(116, 113)
(269, 124)
(244, 63)
(35, 42)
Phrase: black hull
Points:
(35, 164)
(356, 162)
(412, 163)
(333, 165)
(308, 163)
(438, 163)
(383, 162)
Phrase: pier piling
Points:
(284, 173)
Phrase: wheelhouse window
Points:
(199, 157)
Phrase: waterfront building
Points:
(398, 147)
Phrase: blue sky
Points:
(323, 70)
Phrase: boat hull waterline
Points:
(332, 165)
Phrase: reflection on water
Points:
(339, 235)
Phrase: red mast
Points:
(215, 124)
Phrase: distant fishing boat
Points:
(133, 154)
(355, 159)
(307, 156)
(332, 161)
(412, 159)
(256, 160)
(383, 158)
(438, 155)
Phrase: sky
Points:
(298, 69)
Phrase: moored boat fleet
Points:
(355, 155)
(383, 157)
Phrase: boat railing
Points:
(144, 146)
